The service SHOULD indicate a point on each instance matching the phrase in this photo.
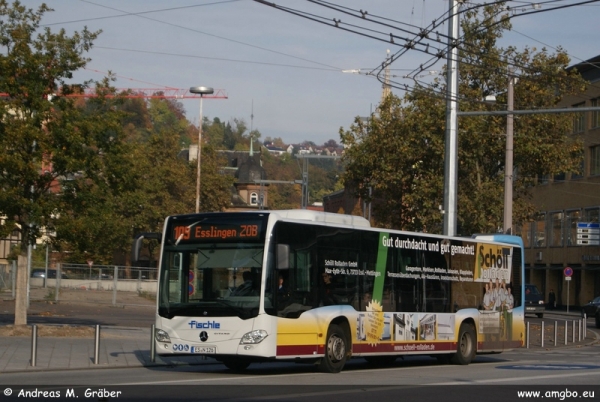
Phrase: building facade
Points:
(568, 207)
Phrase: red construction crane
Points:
(150, 93)
(154, 93)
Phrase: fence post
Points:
(152, 344)
(33, 345)
(115, 283)
(99, 285)
(97, 345)
(139, 287)
(555, 332)
(57, 282)
(528, 335)
(584, 325)
(566, 333)
(542, 333)
(573, 331)
(13, 277)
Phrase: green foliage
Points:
(37, 128)
(408, 136)
(142, 182)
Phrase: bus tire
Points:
(236, 364)
(336, 350)
(466, 347)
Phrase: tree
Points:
(43, 137)
(141, 183)
(408, 137)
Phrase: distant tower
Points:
(386, 89)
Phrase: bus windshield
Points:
(211, 267)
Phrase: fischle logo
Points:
(204, 325)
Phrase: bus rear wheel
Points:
(336, 350)
(466, 348)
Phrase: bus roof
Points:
(322, 217)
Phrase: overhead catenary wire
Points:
(428, 40)
(419, 36)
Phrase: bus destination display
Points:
(217, 231)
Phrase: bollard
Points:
(566, 326)
(115, 284)
(555, 332)
(527, 335)
(97, 345)
(542, 333)
(152, 345)
(579, 330)
(33, 345)
(584, 325)
(573, 331)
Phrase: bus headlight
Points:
(161, 336)
(256, 336)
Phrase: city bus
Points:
(322, 288)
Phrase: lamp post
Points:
(200, 91)
(508, 164)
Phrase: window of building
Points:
(595, 113)
(253, 199)
(539, 230)
(559, 178)
(571, 219)
(579, 120)
(595, 160)
(524, 231)
(556, 229)
(579, 174)
(592, 214)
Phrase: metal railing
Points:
(109, 284)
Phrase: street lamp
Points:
(201, 91)
(508, 164)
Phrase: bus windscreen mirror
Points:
(283, 256)
(137, 244)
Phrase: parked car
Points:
(41, 273)
(103, 276)
(592, 309)
(534, 301)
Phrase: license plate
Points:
(529, 308)
(204, 349)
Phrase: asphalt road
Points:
(489, 378)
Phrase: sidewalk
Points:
(119, 347)
(554, 323)
(130, 347)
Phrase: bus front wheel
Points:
(336, 350)
(466, 348)
(236, 364)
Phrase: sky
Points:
(284, 75)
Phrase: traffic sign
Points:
(587, 236)
(585, 242)
(568, 271)
(588, 225)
